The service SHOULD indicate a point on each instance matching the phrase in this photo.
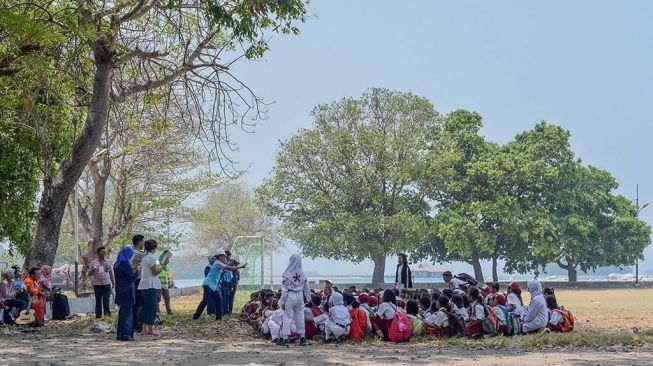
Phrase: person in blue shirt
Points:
(211, 285)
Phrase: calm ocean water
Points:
(390, 279)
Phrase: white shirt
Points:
(148, 279)
(513, 299)
(439, 319)
(501, 316)
(339, 315)
(463, 313)
(478, 311)
(556, 317)
(386, 311)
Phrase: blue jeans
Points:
(125, 329)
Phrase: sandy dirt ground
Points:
(184, 342)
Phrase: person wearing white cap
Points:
(293, 294)
(211, 285)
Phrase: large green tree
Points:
(348, 187)
(126, 49)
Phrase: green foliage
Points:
(347, 188)
(227, 212)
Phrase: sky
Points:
(584, 65)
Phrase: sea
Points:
(276, 280)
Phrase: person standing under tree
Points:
(211, 285)
(138, 241)
(403, 276)
(101, 272)
(125, 293)
(164, 277)
(149, 285)
(294, 293)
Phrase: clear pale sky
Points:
(584, 65)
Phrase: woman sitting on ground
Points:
(8, 293)
(537, 315)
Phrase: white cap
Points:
(220, 252)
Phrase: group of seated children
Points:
(467, 310)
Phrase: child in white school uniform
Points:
(294, 293)
(339, 321)
(272, 324)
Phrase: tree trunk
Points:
(573, 273)
(476, 264)
(53, 199)
(495, 272)
(379, 269)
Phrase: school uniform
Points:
(513, 300)
(476, 312)
(383, 318)
(440, 320)
(556, 320)
(311, 328)
(339, 321)
(293, 294)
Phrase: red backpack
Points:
(568, 320)
(358, 327)
(401, 328)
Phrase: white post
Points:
(271, 269)
(262, 266)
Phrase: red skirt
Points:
(383, 324)
(311, 329)
(39, 314)
(436, 332)
(474, 330)
(554, 328)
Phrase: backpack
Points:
(513, 325)
(489, 324)
(505, 313)
(401, 328)
(467, 278)
(568, 320)
(358, 326)
(457, 326)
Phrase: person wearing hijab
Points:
(403, 276)
(45, 278)
(294, 293)
(125, 277)
(537, 314)
(339, 322)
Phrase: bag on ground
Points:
(401, 328)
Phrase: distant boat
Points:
(427, 271)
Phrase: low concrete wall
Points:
(86, 305)
(556, 285)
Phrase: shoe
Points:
(302, 341)
(282, 342)
(126, 339)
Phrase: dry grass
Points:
(611, 310)
(604, 318)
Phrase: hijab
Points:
(294, 272)
(336, 299)
(535, 288)
(125, 255)
(45, 276)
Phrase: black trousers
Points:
(102, 295)
(209, 297)
(138, 308)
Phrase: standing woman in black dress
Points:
(403, 276)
